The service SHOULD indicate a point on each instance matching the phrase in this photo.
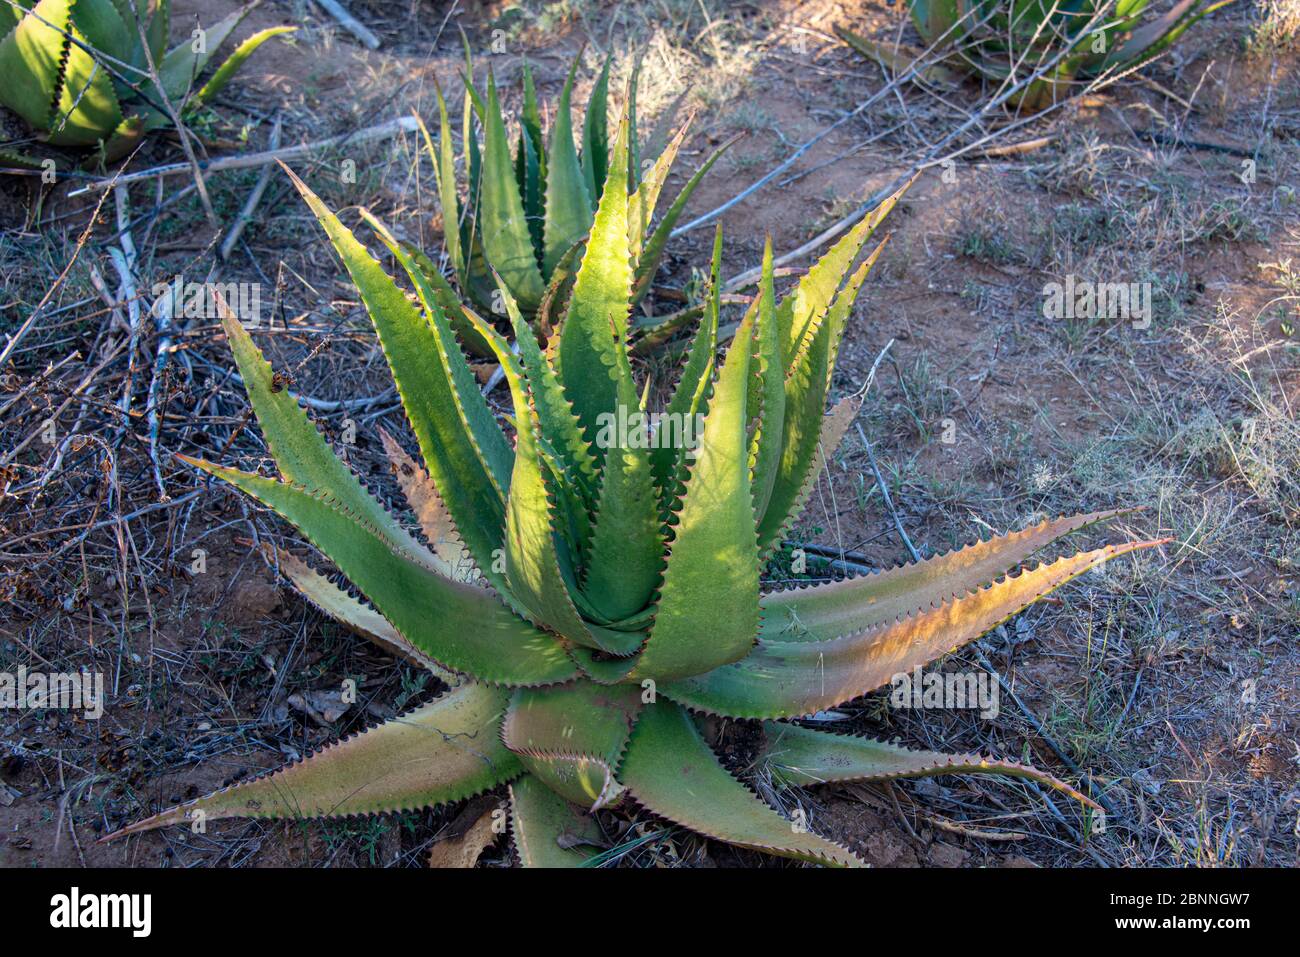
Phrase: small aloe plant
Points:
(998, 39)
(78, 71)
(524, 216)
(588, 589)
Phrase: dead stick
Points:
(250, 205)
(403, 124)
(348, 22)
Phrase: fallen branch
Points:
(402, 124)
(348, 22)
(250, 205)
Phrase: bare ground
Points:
(1171, 679)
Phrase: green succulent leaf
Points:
(87, 107)
(300, 451)
(180, 68)
(460, 626)
(803, 758)
(537, 574)
(549, 831)
(444, 167)
(444, 751)
(671, 771)
(572, 737)
(853, 605)
(468, 469)
(353, 614)
(691, 394)
(596, 323)
(568, 215)
(784, 679)
(710, 584)
(650, 252)
(31, 60)
(230, 66)
(595, 137)
(503, 222)
(806, 385)
(770, 407)
(626, 552)
(800, 313)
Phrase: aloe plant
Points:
(524, 214)
(585, 596)
(998, 39)
(78, 71)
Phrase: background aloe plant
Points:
(998, 39)
(524, 216)
(79, 71)
(584, 599)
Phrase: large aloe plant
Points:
(586, 597)
(524, 214)
(998, 39)
(78, 71)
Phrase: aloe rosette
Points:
(78, 71)
(523, 215)
(1001, 39)
(586, 600)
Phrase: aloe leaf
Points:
(557, 419)
(572, 737)
(568, 215)
(783, 679)
(806, 386)
(101, 25)
(647, 263)
(31, 61)
(549, 831)
(449, 557)
(671, 771)
(934, 18)
(16, 160)
(457, 460)
(158, 29)
(559, 286)
(460, 626)
(626, 552)
(771, 379)
(501, 217)
(1157, 35)
(690, 396)
(826, 611)
(528, 173)
(837, 317)
(444, 751)
(800, 312)
(182, 64)
(87, 110)
(226, 72)
(803, 758)
(446, 297)
(301, 453)
(833, 427)
(597, 318)
(710, 584)
(641, 208)
(444, 168)
(12, 14)
(534, 566)
(432, 291)
(595, 137)
(353, 614)
(531, 120)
